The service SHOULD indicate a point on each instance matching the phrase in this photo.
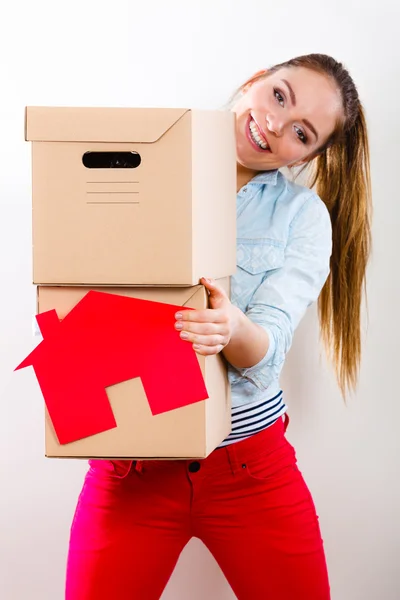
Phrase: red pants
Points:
(247, 502)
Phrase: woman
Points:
(248, 501)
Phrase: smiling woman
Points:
(283, 117)
(247, 501)
(307, 111)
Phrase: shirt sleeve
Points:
(283, 297)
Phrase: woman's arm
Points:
(248, 344)
(262, 336)
(244, 342)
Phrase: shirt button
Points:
(245, 189)
(194, 467)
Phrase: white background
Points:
(191, 53)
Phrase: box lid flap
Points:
(73, 124)
(198, 298)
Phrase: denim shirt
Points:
(284, 244)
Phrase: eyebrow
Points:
(293, 100)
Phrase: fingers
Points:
(208, 315)
(214, 289)
(207, 330)
(207, 350)
(203, 340)
(202, 328)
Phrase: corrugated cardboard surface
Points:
(169, 221)
(189, 432)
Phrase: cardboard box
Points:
(154, 205)
(189, 432)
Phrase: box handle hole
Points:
(111, 160)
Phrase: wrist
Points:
(238, 320)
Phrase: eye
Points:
(279, 97)
(301, 135)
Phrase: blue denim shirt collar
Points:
(270, 177)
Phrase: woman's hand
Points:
(209, 330)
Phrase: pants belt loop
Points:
(138, 465)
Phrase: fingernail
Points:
(178, 315)
(179, 325)
(184, 335)
(196, 346)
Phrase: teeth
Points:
(256, 136)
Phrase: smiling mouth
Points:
(256, 137)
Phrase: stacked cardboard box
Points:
(140, 203)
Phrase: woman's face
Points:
(282, 119)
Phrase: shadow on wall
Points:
(302, 390)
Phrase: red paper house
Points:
(104, 340)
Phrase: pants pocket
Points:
(265, 466)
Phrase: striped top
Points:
(252, 418)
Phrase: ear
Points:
(253, 79)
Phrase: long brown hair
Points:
(341, 176)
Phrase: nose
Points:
(275, 123)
